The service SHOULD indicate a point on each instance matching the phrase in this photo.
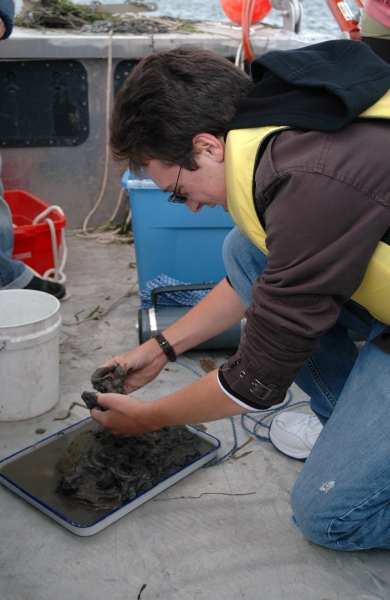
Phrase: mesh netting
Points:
(174, 298)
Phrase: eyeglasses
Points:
(177, 198)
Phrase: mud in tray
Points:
(33, 474)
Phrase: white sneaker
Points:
(295, 433)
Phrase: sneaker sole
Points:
(287, 451)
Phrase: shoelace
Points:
(311, 421)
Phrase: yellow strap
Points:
(240, 155)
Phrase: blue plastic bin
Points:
(172, 240)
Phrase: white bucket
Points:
(29, 353)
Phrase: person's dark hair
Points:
(170, 97)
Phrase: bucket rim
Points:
(54, 308)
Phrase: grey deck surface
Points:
(223, 533)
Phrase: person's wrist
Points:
(151, 416)
(165, 346)
(156, 353)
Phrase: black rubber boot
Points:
(45, 285)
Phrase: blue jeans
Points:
(13, 273)
(341, 498)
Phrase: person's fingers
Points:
(123, 415)
(113, 401)
(103, 419)
(98, 416)
(126, 364)
(113, 362)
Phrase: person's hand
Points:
(2, 28)
(125, 415)
(142, 364)
(201, 401)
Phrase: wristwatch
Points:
(165, 347)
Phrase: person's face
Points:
(203, 187)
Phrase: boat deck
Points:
(222, 533)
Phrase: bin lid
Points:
(132, 182)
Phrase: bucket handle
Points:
(27, 341)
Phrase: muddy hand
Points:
(109, 379)
(91, 400)
(123, 415)
(142, 365)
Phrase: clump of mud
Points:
(105, 380)
(104, 471)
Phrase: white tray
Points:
(59, 442)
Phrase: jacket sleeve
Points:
(7, 11)
(321, 234)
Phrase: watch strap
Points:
(165, 346)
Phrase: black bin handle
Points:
(188, 287)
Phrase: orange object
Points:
(233, 10)
(248, 7)
(32, 243)
(344, 17)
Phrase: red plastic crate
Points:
(32, 243)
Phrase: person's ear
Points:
(210, 145)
